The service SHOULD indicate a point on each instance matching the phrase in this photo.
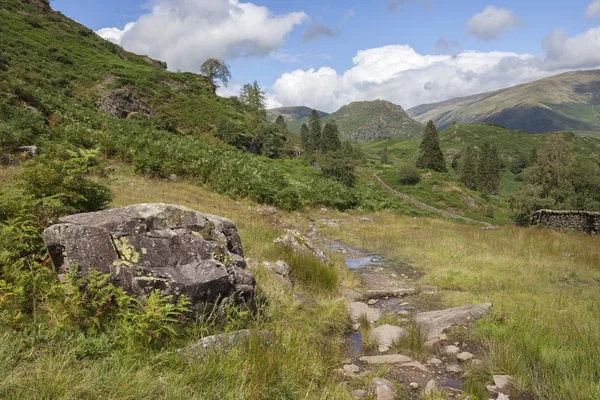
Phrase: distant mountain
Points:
(370, 120)
(291, 113)
(565, 102)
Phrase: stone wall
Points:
(582, 221)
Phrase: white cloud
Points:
(593, 9)
(184, 33)
(399, 74)
(349, 14)
(115, 35)
(492, 22)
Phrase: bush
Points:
(409, 175)
(338, 166)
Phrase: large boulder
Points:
(434, 323)
(122, 102)
(301, 244)
(156, 246)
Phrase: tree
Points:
(467, 167)
(330, 138)
(489, 168)
(384, 157)
(339, 166)
(304, 134)
(431, 156)
(214, 69)
(253, 97)
(314, 132)
(281, 125)
(552, 166)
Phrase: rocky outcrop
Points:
(156, 246)
(434, 323)
(302, 245)
(581, 221)
(122, 103)
(383, 389)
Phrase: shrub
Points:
(409, 175)
(338, 166)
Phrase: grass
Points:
(544, 286)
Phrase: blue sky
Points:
(340, 29)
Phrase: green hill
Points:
(370, 120)
(565, 102)
(291, 113)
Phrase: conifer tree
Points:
(304, 137)
(281, 126)
(330, 137)
(314, 132)
(489, 168)
(431, 156)
(384, 156)
(467, 167)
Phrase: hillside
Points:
(565, 102)
(370, 120)
(291, 113)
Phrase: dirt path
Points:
(424, 206)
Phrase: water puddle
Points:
(365, 262)
(355, 345)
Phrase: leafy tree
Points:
(214, 69)
(314, 132)
(431, 156)
(304, 136)
(253, 97)
(339, 166)
(330, 137)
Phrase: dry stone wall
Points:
(582, 221)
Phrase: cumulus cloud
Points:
(492, 22)
(593, 9)
(184, 33)
(399, 74)
(317, 31)
(349, 14)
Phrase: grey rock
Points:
(372, 302)
(351, 368)
(358, 309)
(429, 289)
(464, 356)
(359, 393)
(173, 178)
(453, 368)
(366, 220)
(280, 268)
(221, 342)
(503, 383)
(156, 246)
(430, 389)
(434, 323)
(386, 359)
(386, 335)
(434, 361)
(451, 349)
(122, 102)
(31, 151)
(301, 244)
(351, 294)
(414, 385)
(502, 396)
(383, 389)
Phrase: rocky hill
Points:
(292, 113)
(565, 102)
(370, 120)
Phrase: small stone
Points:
(359, 393)
(429, 289)
(403, 312)
(351, 368)
(430, 389)
(406, 303)
(386, 359)
(414, 385)
(453, 368)
(502, 396)
(502, 382)
(451, 349)
(386, 335)
(434, 361)
(384, 389)
(383, 349)
(366, 220)
(357, 309)
(476, 361)
(464, 356)
(372, 302)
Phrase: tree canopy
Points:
(214, 69)
(431, 156)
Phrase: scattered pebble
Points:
(351, 368)
(451, 349)
(434, 361)
(372, 302)
(454, 368)
(359, 393)
(464, 356)
(414, 385)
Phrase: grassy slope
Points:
(565, 102)
(442, 190)
(369, 120)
